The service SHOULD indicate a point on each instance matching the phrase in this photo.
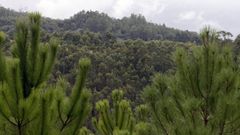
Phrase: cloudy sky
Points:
(183, 14)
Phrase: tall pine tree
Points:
(202, 97)
(28, 105)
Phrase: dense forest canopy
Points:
(119, 60)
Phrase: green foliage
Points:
(28, 105)
(85, 131)
(142, 113)
(117, 63)
(202, 97)
(36, 61)
(115, 121)
(119, 119)
(237, 40)
(143, 128)
(2, 37)
(208, 35)
(133, 27)
(73, 110)
(128, 65)
(2, 59)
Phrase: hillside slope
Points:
(133, 27)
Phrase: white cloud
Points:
(197, 20)
(121, 8)
(66, 8)
(115, 8)
(23, 5)
(191, 16)
(188, 15)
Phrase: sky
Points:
(182, 14)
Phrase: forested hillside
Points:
(121, 58)
(133, 27)
(116, 62)
(125, 52)
(128, 64)
(9, 17)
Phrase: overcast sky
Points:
(183, 14)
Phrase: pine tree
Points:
(144, 125)
(73, 110)
(120, 119)
(202, 97)
(28, 105)
(116, 121)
